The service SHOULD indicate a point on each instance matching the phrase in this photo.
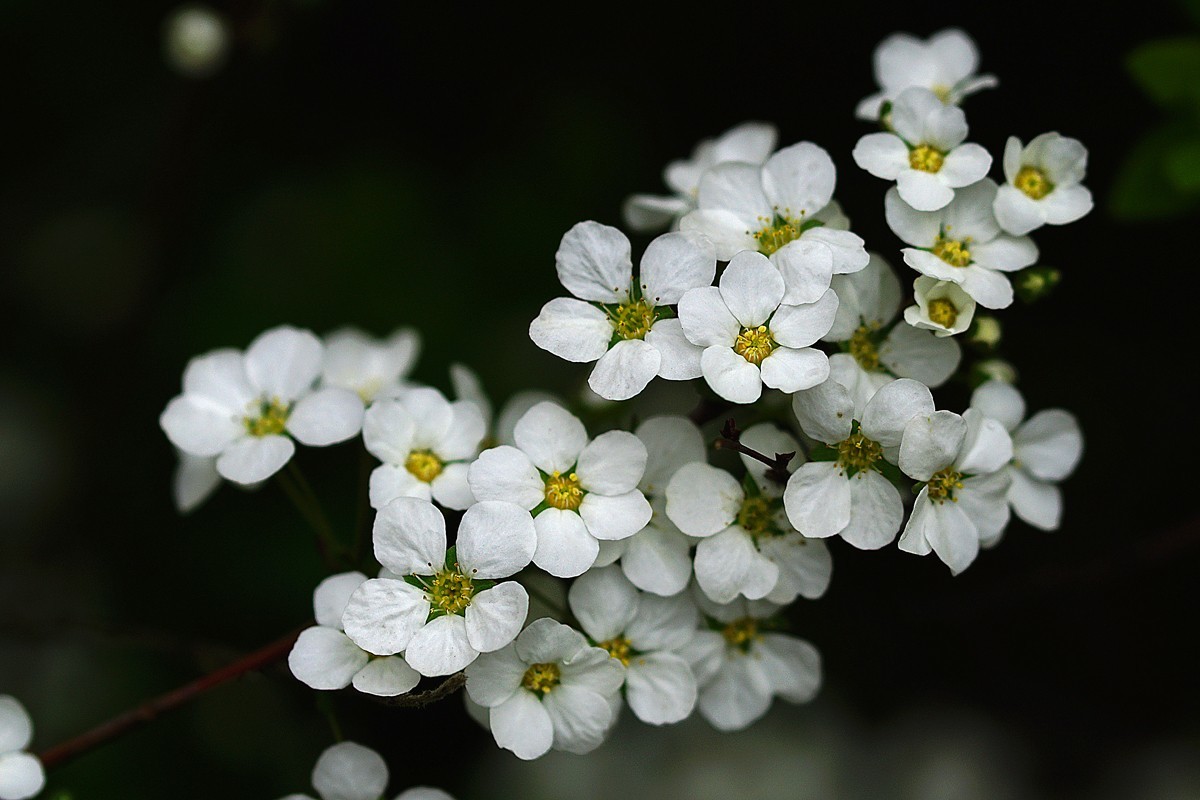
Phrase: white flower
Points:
(426, 444)
(642, 632)
(942, 307)
(577, 491)
(367, 366)
(851, 496)
(348, 771)
(741, 666)
(751, 142)
(195, 479)
(467, 386)
(657, 559)
(446, 611)
(238, 407)
(875, 351)
(324, 657)
(782, 209)
(424, 793)
(960, 460)
(547, 689)
(945, 64)
(962, 243)
(748, 545)
(21, 773)
(750, 338)
(924, 152)
(1046, 449)
(623, 323)
(1043, 184)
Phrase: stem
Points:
(421, 699)
(327, 544)
(778, 471)
(152, 709)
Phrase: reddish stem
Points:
(150, 710)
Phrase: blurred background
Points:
(383, 165)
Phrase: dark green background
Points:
(378, 165)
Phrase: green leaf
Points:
(1168, 70)
(1143, 189)
(1183, 165)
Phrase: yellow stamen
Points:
(754, 344)
(450, 591)
(943, 312)
(859, 453)
(1033, 182)
(271, 419)
(863, 349)
(925, 158)
(423, 465)
(776, 232)
(955, 252)
(541, 678)
(741, 633)
(619, 648)
(632, 320)
(943, 485)
(564, 491)
(755, 516)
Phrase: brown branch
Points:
(421, 699)
(777, 467)
(151, 710)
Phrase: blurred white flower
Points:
(21, 773)
(944, 64)
(196, 40)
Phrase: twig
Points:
(421, 699)
(777, 467)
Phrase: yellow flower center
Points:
(942, 91)
(926, 158)
(859, 453)
(564, 491)
(271, 419)
(755, 515)
(955, 252)
(943, 485)
(943, 312)
(632, 320)
(776, 232)
(754, 344)
(424, 465)
(863, 349)
(450, 591)
(619, 648)
(541, 678)
(1033, 182)
(741, 633)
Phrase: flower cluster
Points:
(675, 563)
(21, 773)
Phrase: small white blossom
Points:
(750, 142)
(782, 209)
(426, 444)
(874, 350)
(1043, 183)
(21, 773)
(960, 461)
(924, 152)
(742, 665)
(196, 40)
(962, 243)
(622, 324)
(642, 631)
(446, 611)
(578, 492)
(942, 307)
(850, 496)
(750, 337)
(1046, 449)
(367, 366)
(349, 771)
(244, 409)
(547, 689)
(944, 64)
(324, 657)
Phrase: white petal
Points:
(738, 695)
(423, 793)
(21, 776)
(987, 446)
(594, 263)
(670, 442)
(965, 165)
(383, 614)
(679, 358)
(494, 677)
(849, 250)
(505, 473)
(799, 180)
(917, 228)
(604, 602)
(1005, 253)
(663, 623)
(496, 615)
(194, 481)
(580, 718)
(970, 215)
(521, 724)
(923, 191)
(1067, 203)
(546, 640)
(752, 288)
(660, 688)
(890, 409)
(1001, 401)
(565, 548)
(674, 263)
(326, 658)
(945, 528)
(551, 436)
(736, 188)
(921, 355)
(658, 561)
(253, 459)
(731, 376)
(825, 412)
(199, 427)
(884, 155)
(705, 318)
(388, 431)
(386, 677)
(982, 499)
(1037, 503)
(1049, 444)
(793, 666)
(910, 111)
(451, 488)
(1017, 213)
(349, 771)
(625, 370)
(571, 329)
(703, 500)
(16, 728)
(325, 417)
(807, 268)
(646, 213)
(432, 416)
(219, 379)
(931, 443)
(876, 511)
(495, 539)
(817, 499)
(612, 463)
(729, 564)
(390, 482)
(332, 594)
(803, 325)
(805, 567)
(441, 646)
(410, 537)
(284, 362)
(728, 231)
(616, 516)
(791, 370)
